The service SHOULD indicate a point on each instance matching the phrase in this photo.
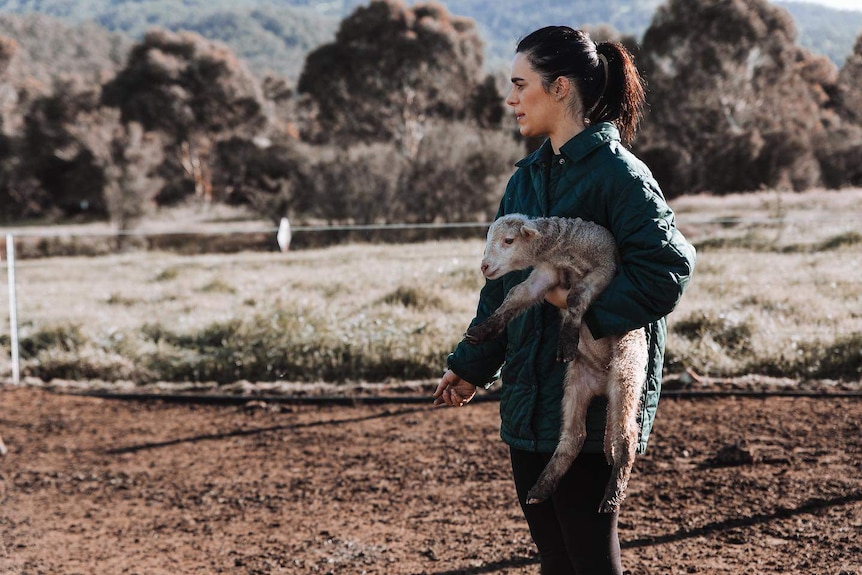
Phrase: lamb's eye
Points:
(509, 241)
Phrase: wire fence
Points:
(282, 235)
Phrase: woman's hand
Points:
(453, 391)
(558, 297)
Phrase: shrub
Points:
(839, 360)
(68, 338)
(290, 345)
(413, 297)
(357, 185)
(731, 334)
(457, 174)
(840, 241)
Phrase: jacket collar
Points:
(578, 147)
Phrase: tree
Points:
(734, 101)
(194, 91)
(127, 158)
(53, 152)
(276, 180)
(840, 150)
(457, 174)
(19, 195)
(389, 68)
(85, 159)
(849, 82)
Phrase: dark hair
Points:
(557, 51)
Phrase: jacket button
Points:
(562, 161)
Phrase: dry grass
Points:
(356, 305)
(780, 296)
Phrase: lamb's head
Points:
(510, 245)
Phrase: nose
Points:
(511, 100)
(484, 267)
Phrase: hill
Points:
(277, 38)
(824, 30)
(270, 39)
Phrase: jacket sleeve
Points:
(656, 262)
(480, 363)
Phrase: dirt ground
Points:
(96, 486)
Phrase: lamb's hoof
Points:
(537, 495)
(567, 355)
(480, 332)
(474, 336)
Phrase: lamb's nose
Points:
(484, 267)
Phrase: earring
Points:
(586, 121)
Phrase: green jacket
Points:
(597, 179)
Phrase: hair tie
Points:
(604, 60)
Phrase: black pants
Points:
(572, 536)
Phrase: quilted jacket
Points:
(597, 179)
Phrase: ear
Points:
(530, 232)
(561, 87)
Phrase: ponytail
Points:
(622, 98)
(609, 85)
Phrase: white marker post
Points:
(283, 236)
(13, 308)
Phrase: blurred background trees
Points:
(194, 92)
(384, 111)
(729, 87)
(389, 68)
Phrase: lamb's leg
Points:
(576, 399)
(520, 298)
(570, 326)
(621, 433)
(582, 293)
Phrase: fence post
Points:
(13, 308)
(283, 236)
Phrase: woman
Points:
(587, 99)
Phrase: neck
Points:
(565, 132)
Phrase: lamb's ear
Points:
(530, 232)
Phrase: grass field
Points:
(777, 291)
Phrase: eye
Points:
(509, 241)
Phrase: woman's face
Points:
(536, 110)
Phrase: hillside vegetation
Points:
(394, 117)
(276, 39)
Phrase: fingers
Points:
(457, 400)
(449, 397)
(558, 296)
(448, 381)
(453, 391)
(453, 398)
(449, 378)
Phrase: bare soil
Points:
(94, 486)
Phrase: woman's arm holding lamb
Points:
(656, 263)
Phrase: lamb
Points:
(583, 257)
